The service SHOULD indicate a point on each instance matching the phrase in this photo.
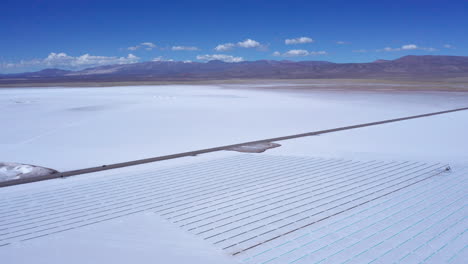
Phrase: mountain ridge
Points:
(411, 66)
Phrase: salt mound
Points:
(14, 171)
(255, 148)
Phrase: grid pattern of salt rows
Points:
(272, 209)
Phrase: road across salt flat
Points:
(266, 209)
(203, 151)
(93, 126)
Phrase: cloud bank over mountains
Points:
(248, 45)
(298, 53)
(221, 57)
(408, 47)
(66, 61)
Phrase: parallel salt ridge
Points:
(270, 209)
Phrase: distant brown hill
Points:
(414, 67)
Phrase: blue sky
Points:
(77, 34)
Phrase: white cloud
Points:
(322, 52)
(342, 42)
(448, 46)
(407, 47)
(225, 47)
(298, 53)
(222, 57)
(390, 49)
(184, 48)
(145, 45)
(360, 51)
(66, 61)
(294, 53)
(161, 58)
(6, 65)
(428, 49)
(300, 40)
(148, 45)
(248, 43)
(62, 59)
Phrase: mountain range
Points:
(411, 67)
